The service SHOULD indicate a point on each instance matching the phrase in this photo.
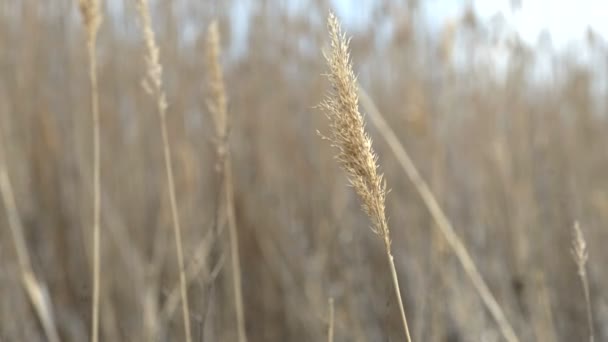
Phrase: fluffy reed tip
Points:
(91, 15)
(355, 153)
(579, 248)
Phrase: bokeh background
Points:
(503, 109)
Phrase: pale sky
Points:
(565, 20)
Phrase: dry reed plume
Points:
(91, 17)
(217, 107)
(153, 84)
(442, 221)
(580, 254)
(355, 153)
(487, 171)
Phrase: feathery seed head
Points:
(91, 16)
(153, 81)
(579, 249)
(217, 102)
(348, 135)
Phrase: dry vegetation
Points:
(196, 202)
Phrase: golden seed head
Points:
(217, 102)
(91, 15)
(348, 135)
(579, 249)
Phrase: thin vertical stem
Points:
(153, 84)
(234, 252)
(32, 286)
(218, 108)
(391, 262)
(92, 19)
(96, 193)
(176, 227)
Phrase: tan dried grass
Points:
(217, 104)
(34, 287)
(91, 16)
(440, 218)
(153, 84)
(580, 254)
(355, 153)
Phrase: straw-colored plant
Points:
(217, 107)
(153, 84)
(580, 254)
(34, 288)
(91, 17)
(355, 153)
(442, 222)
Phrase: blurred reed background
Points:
(513, 155)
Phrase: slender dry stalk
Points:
(580, 254)
(217, 107)
(441, 220)
(34, 288)
(355, 153)
(330, 328)
(91, 17)
(153, 84)
(196, 266)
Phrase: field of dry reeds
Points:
(258, 171)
